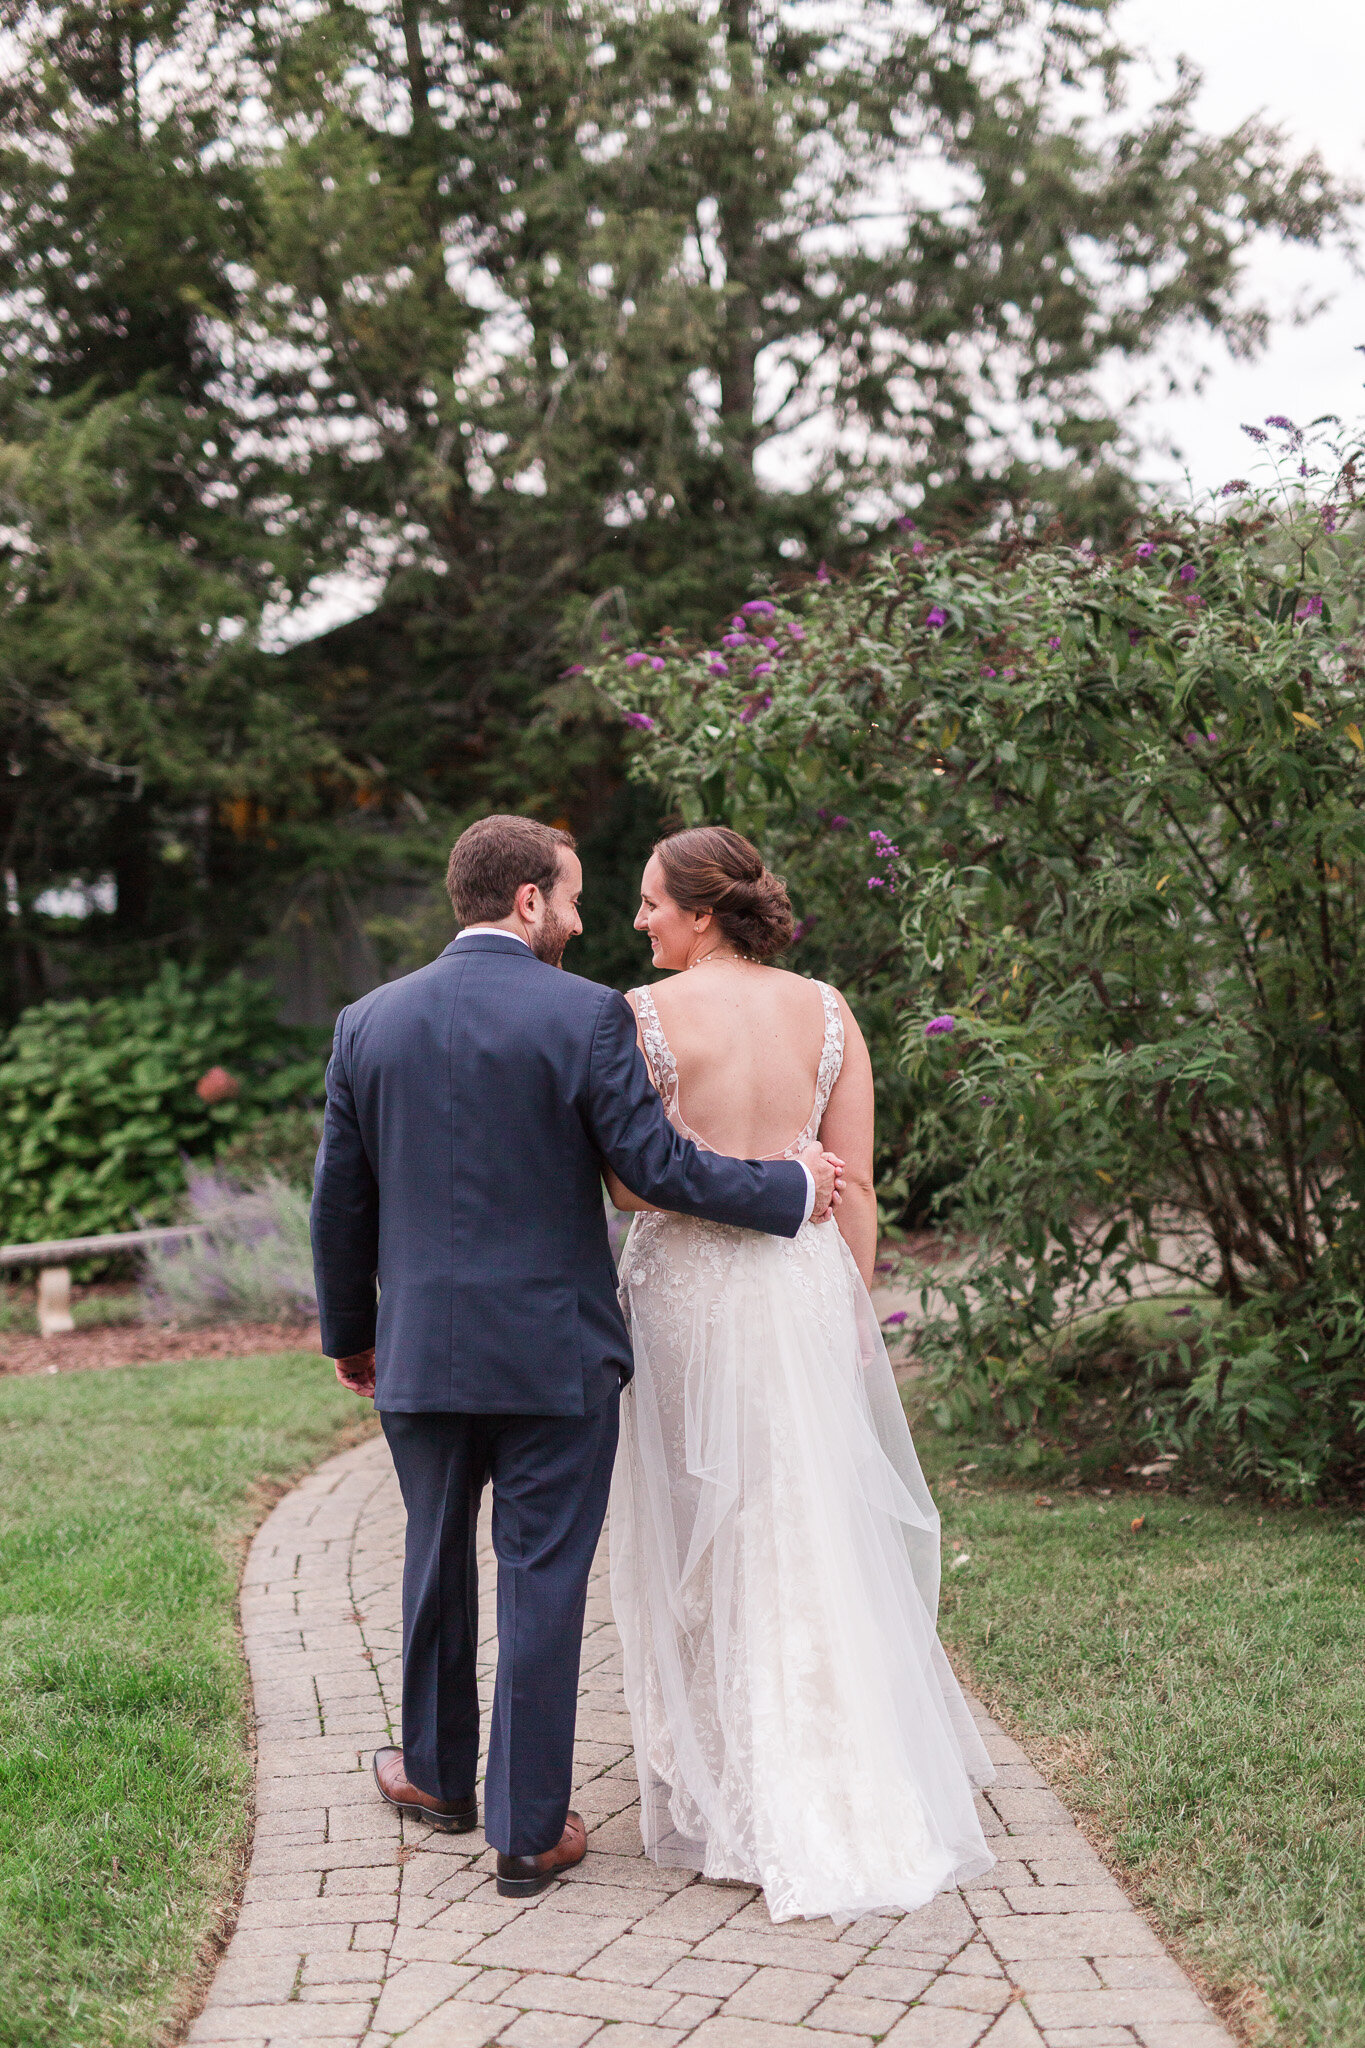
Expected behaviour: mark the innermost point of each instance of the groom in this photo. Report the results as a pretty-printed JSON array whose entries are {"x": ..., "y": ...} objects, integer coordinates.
[{"x": 465, "y": 1280}]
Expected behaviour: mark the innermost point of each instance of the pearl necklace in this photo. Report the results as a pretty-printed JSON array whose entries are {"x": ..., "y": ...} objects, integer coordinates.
[{"x": 740, "y": 959}]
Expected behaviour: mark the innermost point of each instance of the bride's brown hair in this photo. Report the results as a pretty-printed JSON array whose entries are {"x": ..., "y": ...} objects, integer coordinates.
[{"x": 709, "y": 867}]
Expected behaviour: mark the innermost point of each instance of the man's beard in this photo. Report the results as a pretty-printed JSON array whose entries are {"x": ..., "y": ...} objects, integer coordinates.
[{"x": 549, "y": 942}]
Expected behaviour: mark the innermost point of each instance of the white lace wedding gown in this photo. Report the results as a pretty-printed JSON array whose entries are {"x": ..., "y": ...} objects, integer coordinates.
[{"x": 774, "y": 1569}]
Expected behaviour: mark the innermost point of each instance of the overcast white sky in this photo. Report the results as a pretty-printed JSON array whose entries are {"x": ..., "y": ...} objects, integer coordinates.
[{"x": 1303, "y": 65}]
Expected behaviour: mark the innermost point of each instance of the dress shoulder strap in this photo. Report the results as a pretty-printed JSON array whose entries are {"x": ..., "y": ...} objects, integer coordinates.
[
  {"x": 658, "y": 1052},
  {"x": 831, "y": 1053}
]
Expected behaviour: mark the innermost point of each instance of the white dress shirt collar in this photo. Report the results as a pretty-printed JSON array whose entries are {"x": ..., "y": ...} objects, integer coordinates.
[{"x": 500, "y": 930}]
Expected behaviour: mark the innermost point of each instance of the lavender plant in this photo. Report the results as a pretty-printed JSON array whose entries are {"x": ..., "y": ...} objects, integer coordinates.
[{"x": 253, "y": 1260}]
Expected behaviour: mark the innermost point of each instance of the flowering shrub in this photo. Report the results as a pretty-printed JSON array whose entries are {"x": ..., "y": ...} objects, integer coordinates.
[{"x": 1085, "y": 836}]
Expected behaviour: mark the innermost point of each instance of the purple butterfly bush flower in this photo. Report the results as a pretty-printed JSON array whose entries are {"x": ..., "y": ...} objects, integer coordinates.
[
  {"x": 919, "y": 548},
  {"x": 876, "y": 882},
  {"x": 1054, "y": 641},
  {"x": 838, "y": 823},
  {"x": 1134, "y": 635},
  {"x": 735, "y": 640},
  {"x": 634, "y": 660},
  {"x": 737, "y": 624},
  {"x": 797, "y": 632},
  {"x": 988, "y": 671},
  {"x": 758, "y": 608},
  {"x": 576, "y": 670},
  {"x": 1309, "y": 608},
  {"x": 892, "y": 1322},
  {"x": 1145, "y": 550},
  {"x": 1234, "y": 486},
  {"x": 641, "y": 720},
  {"x": 762, "y": 668},
  {"x": 1277, "y": 419},
  {"x": 656, "y": 661},
  {"x": 883, "y": 846},
  {"x": 936, "y": 616},
  {"x": 939, "y": 1027},
  {"x": 1254, "y": 434},
  {"x": 905, "y": 524},
  {"x": 719, "y": 667},
  {"x": 822, "y": 574},
  {"x": 800, "y": 928},
  {"x": 1329, "y": 518},
  {"x": 771, "y": 644},
  {"x": 1188, "y": 572},
  {"x": 985, "y": 1100}
]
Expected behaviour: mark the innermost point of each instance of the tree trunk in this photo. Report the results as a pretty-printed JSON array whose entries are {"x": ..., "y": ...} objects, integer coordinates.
[{"x": 736, "y": 230}]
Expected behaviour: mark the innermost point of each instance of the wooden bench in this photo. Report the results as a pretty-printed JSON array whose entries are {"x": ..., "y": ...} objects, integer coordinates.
[{"x": 54, "y": 1270}]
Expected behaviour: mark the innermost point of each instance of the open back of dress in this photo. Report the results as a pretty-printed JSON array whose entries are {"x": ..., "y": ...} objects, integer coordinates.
[{"x": 775, "y": 1563}]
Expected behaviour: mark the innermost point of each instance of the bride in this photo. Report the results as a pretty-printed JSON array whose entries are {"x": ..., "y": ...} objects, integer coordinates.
[{"x": 774, "y": 1547}]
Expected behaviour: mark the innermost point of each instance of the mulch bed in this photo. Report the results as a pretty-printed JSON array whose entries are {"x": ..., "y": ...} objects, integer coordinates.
[{"x": 96, "y": 1350}]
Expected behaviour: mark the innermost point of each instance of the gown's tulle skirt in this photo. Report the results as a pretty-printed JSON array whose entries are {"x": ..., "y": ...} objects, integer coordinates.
[{"x": 774, "y": 1571}]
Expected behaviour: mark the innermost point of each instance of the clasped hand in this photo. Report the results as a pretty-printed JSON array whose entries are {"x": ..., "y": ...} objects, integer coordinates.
[{"x": 827, "y": 1171}]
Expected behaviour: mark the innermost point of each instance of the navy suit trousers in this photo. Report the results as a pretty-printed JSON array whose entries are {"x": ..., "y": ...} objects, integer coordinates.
[{"x": 551, "y": 1475}]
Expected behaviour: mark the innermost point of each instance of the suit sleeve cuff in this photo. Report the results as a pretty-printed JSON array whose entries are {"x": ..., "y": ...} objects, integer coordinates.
[{"x": 810, "y": 1190}]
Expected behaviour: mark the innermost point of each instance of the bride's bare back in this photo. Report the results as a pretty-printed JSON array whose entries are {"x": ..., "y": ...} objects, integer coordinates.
[
  {"x": 746, "y": 1040},
  {"x": 747, "y": 1049}
]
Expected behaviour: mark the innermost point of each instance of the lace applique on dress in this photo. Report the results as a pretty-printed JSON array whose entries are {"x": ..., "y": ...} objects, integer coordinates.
[
  {"x": 827, "y": 1073},
  {"x": 662, "y": 1065}
]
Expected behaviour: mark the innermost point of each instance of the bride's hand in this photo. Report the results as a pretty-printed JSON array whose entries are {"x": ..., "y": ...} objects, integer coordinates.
[{"x": 827, "y": 1171}]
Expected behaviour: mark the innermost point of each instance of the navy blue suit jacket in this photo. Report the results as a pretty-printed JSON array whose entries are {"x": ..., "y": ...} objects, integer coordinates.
[{"x": 458, "y": 1222}]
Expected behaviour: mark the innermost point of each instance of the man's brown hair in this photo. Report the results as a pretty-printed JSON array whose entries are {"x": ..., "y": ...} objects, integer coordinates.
[{"x": 491, "y": 860}]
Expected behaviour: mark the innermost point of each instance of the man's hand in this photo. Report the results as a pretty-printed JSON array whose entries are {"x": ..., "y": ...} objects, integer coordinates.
[
  {"x": 827, "y": 1171},
  {"x": 357, "y": 1373}
]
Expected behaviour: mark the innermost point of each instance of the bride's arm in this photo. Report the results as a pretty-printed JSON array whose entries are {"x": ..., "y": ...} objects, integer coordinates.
[
  {"x": 621, "y": 1196},
  {"x": 847, "y": 1129}
]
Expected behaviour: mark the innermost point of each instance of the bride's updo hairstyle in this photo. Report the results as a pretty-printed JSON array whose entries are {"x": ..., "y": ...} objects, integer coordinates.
[{"x": 712, "y": 868}]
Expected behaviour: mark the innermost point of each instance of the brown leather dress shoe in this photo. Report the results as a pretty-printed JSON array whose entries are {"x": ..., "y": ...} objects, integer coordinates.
[
  {"x": 451, "y": 1816},
  {"x": 520, "y": 1876}
]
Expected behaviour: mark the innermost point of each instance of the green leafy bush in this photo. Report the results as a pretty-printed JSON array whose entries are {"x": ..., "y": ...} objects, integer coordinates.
[
  {"x": 1094, "y": 827},
  {"x": 283, "y": 1145},
  {"x": 98, "y": 1102}
]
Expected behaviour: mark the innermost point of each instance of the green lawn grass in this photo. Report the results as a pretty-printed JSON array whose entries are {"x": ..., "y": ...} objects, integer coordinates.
[
  {"x": 1196, "y": 1690},
  {"x": 125, "y": 1775}
]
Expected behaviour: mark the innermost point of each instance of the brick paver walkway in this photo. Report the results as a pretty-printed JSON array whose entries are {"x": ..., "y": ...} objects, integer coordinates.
[{"x": 359, "y": 1929}]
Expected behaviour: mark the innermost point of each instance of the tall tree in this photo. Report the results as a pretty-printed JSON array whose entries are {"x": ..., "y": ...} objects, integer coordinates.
[
  {"x": 631, "y": 297},
  {"x": 563, "y": 320},
  {"x": 136, "y": 545},
  {"x": 592, "y": 315}
]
